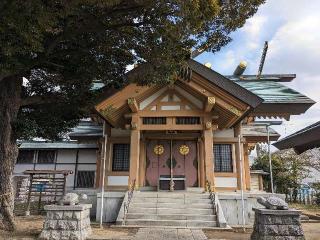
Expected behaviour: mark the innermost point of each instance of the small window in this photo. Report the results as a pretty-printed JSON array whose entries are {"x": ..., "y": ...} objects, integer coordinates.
[
  {"x": 121, "y": 157},
  {"x": 85, "y": 179},
  {"x": 154, "y": 120},
  {"x": 25, "y": 156},
  {"x": 222, "y": 158},
  {"x": 187, "y": 120},
  {"x": 46, "y": 156}
]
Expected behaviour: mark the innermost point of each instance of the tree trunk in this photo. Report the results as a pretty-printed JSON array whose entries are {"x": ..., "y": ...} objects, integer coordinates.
[{"x": 10, "y": 93}]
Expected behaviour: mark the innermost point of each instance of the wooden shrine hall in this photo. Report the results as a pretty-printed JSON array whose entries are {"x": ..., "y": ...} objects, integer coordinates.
[{"x": 190, "y": 132}]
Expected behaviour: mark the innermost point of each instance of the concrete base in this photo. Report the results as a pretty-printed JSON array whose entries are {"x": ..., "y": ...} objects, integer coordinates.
[
  {"x": 111, "y": 206},
  {"x": 66, "y": 222},
  {"x": 277, "y": 224},
  {"x": 232, "y": 206}
]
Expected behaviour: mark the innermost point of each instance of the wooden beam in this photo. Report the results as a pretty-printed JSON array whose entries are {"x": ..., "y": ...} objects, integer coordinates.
[
  {"x": 173, "y": 127},
  {"x": 211, "y": 101},
  {"x": 133, "y": 105}
]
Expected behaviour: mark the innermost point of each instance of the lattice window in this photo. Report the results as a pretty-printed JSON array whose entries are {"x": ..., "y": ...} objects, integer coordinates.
[
  {"x": 222, "y": 158},
  {"x": 154, "y": 120},
  {"x": 188, "y": 120},
  {"x": 85, "y": 179},
  {"x": 46, "y": 156},
  {"x": 25, "y": 156},
  {"x": 121, "y": 157}
]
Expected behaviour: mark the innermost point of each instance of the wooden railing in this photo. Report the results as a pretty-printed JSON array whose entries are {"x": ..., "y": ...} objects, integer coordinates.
[{"x": 127, "y": 203}]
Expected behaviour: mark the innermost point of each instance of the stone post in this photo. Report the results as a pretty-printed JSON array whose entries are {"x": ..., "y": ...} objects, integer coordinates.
[
  {"x": 66, "y": 222},
  {"x": 277, "y": 224}
]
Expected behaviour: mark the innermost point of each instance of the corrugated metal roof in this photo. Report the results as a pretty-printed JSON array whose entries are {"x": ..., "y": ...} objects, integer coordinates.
[
  {"x": 302, "y": 140},
  {"x": 56, "y": 145},
  {"x": 274, "y": 92},
  {"x": 87, "y": 129}
]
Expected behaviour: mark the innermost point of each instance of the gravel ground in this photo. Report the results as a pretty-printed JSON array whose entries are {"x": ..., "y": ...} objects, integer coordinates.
[{"x": 29, "y": 228}]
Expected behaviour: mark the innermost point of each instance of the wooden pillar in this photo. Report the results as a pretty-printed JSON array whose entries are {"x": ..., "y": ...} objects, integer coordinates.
[
  {"x": 142, "y": 164},
  {"x": 208, "y": 151},
  {"x": 238, "y": 151},
  {"x": 202, "y": 176},
  {"x": 246, "y": 166},
  {"x": 260, "y": 182},
  {"x": 134, "y": 151}
]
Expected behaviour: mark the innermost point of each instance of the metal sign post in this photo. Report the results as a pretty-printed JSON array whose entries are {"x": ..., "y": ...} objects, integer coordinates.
[{"x": 241, "y": 183}]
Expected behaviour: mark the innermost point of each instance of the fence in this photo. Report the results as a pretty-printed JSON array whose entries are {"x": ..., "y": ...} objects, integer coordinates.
[{"x": 302, "y": 196}]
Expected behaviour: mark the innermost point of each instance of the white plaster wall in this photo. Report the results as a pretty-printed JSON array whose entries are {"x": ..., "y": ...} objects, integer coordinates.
[
  {"x": 118, "y": 180},
  {"x": 66, "y": 155},
  {"x": 87, "y": 167},
  {"x": 226, "y": 182},
  {"x": 190, "y": 97},
  {"x": 70, "y": 177},
  {"x": 41, "y": 166},
  {"x": 87, "y": 156},
  {"x": 172, "y": 108},
  {"x": 20, "y": 168},
  {"x": 150, "y": 99},
  {"x": 224, "y": 133}
]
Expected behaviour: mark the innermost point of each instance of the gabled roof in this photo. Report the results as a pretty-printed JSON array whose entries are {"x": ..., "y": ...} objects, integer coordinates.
[
  {"x": 224, "y": 83},
  {"x": 260, "y": 97},
  {"x": 302, "y": 140}
]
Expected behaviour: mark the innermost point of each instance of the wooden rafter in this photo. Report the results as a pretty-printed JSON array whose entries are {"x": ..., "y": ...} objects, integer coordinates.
[
  {"x": 133, "y": 105},
  {"x": 210, "y": 102}
]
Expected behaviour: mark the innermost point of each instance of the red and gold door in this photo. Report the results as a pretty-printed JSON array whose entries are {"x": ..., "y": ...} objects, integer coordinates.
[{"x": 177, "y": 155}]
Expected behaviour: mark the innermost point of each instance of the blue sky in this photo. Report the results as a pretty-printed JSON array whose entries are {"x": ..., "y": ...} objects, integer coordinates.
[{"x": 292, "y": 29}]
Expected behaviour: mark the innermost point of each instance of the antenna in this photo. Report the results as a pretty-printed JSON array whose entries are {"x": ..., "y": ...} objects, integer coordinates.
[{"x": 263, "y": 58}]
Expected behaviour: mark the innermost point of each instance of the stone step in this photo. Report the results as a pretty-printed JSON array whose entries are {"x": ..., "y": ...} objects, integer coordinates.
[
  {"x": 171, "y": 200},
  {"x": 170, "y": 195},
  {"x": 171, "y": 216},
  {"x": 198, "y": 211},
  {"x": 177, "y": 223},
  {"x": 170, "y": 205}
]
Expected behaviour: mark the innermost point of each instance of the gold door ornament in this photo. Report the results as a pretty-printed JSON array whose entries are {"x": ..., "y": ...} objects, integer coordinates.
[
  {"x": 158, "y": 149},
  {"x": 184, "y": 149}
]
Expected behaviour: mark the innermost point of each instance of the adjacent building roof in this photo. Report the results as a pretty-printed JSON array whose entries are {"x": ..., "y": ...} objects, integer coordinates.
[
  {"x": 259, "y": 133},
  {"x": 300, "y": 141},
  {"x": 260, "y": 172},
  {"x": 56, "y": 145},
  {"x": 86, "y": 129}
]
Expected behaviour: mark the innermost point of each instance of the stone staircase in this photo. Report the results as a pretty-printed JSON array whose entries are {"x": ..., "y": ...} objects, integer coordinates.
[{"x": 176, "y": 209}]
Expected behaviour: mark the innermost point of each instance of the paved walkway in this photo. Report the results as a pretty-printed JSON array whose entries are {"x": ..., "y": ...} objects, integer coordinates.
[{"x": 169, "y": 234}]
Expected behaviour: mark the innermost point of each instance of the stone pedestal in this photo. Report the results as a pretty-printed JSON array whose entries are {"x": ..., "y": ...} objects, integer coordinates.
[
  {"x": 66, "y": 222},
  {"x": 277, "y": 224}
]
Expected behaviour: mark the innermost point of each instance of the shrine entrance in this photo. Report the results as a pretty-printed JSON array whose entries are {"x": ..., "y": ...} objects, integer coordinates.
[{"x": 172, "y": 164}]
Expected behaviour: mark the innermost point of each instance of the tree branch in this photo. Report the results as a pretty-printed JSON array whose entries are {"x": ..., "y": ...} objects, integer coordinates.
[{"x": 37, "y": 100}]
